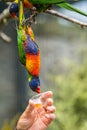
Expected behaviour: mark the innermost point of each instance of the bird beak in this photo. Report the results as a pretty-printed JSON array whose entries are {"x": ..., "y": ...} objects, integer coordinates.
[
  {"x": 13, "y": 15},
  {"x": 38, "y": 89}
]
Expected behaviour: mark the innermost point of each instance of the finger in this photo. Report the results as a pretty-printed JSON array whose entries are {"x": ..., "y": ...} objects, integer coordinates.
[
  {"x": 50, "y": 109},
  {"x": 49, "y": 118},
  {"x": 46, "y": 95},
  {"x": 49, "y": 102},
  {"x": 30, "y": 107}
]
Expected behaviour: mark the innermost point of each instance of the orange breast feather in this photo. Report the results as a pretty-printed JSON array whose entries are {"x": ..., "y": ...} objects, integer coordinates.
[
  {"x": 33, "y": 64},
  {"x": 27, "y": 4}
]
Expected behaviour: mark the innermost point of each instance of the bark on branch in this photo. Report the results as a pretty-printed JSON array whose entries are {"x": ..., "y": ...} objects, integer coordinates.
[{"x": 58, "y": 14}]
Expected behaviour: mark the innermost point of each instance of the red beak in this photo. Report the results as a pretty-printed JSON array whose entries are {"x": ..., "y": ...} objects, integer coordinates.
[
  {"x": 38, "y": 89},
  {"x": 13, "y": 15}
]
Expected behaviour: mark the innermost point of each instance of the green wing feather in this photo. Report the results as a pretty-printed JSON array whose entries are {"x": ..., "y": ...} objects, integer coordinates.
[
  {"x": 60, "y": 3},
  {"x": 46, "y": 2},
  {"x": 21, "y": 51},
  {"x": 21, "y": 35}
]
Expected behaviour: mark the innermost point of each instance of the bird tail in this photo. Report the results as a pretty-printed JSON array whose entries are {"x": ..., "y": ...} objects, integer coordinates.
[
  {"x": 21, "y": 13},
  {"x": 71, "y": 8}
]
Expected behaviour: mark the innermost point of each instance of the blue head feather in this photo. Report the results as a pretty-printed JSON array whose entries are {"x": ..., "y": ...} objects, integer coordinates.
[
  {"x": 13, "y": 9},
  {"x": 34, "y": 84}
]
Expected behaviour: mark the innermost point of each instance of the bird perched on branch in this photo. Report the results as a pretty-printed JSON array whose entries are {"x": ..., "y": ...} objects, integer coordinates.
[
  {"x": 14, "y": 7},
  {"x": 42, "y": 5},
  {"x": 29, "y": 53}
]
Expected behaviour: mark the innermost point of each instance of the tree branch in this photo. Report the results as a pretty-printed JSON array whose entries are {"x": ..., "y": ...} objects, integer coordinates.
[
  {"x": 5, "y": 37},
  {"x": 5, "y": 14},
  {"x": 58, "y": 14}
]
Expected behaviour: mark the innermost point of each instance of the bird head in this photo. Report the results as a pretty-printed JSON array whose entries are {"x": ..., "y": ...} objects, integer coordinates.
[
  {"x": 34, "y": 84},
  {"x": 13, "y": 9}
]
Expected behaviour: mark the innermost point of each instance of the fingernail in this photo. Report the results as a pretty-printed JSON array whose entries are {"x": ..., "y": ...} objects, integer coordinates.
[{"x": 47, "y": 116}]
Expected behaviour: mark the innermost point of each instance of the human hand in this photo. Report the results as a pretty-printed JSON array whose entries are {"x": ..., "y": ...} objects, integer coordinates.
[{"x": 38, "y": 118}]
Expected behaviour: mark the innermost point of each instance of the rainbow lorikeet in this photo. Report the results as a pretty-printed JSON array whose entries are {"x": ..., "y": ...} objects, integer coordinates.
[
  {"x": 29, "y": 53},
  {"x": 14, "y": 7},
  {"x": 42, "y": 5}
]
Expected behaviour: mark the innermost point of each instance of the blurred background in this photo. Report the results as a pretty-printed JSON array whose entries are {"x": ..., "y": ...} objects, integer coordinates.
[{"x": 63, "y": 49}]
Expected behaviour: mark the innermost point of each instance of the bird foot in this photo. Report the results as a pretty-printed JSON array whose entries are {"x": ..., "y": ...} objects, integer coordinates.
[{"x": 31, "y": 18}]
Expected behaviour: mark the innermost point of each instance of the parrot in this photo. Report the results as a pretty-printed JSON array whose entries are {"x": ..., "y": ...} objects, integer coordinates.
[
  {"x": 29, "y": 52},
  {"x": 14, "y": 7},
  {"x": 42, "y": 5}
]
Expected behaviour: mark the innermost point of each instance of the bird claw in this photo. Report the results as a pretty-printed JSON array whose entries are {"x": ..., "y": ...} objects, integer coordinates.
[{"x": 31, "y": 19}]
